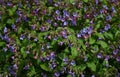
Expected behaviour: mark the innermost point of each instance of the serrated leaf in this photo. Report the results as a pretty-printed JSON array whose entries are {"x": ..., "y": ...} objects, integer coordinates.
[
  {"x": 45, "y": 67},
  {"x": 92, "y": 66},
  {"x": 103, "y": 44}
]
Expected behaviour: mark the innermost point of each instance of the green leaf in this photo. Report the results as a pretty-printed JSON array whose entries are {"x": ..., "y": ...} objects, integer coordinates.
[
  {"x": 108, "y": 35},
  {"x": 12, "y": 11},
  {"x": 86, "y": 0},
  {"x": 82, "y": 67},
  {"x": 71, "y": 1},
  {"x": 32, "y": 72},
  {"x": 2, "y": 44},
  {"x": 74, "y": 52},
  {"x": 117, "y": 33},
  {"x": 97, "y": 26},
  {"x": 92, "y": 66},
  {"x": 45, "y": 67},
  {"x": 99, "y": 35},
  {"x": 91, "y": 40},
  {"x": 20, "y": 30},
  {"x": 24, "y": 54},
  {"x": 103, "y": 44},
  {"x": 72, "y": 38},
  {"x": 66, "y": 50},
  {"x": 69, "y": 76},
  {"x": 82, "y": 44},
  {"x": 10, "y": 21}
]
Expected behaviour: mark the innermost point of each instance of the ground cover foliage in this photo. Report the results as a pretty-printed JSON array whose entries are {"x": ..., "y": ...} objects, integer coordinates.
[{"x": 60, "y": 38}]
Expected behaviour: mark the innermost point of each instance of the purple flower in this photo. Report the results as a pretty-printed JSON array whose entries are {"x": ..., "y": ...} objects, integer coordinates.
[
  {"x": 85, "y": 58},
  {"x": 101, "y": 11},
  {"x": 43, "y": 75},
  {"x": 52, "y": 55},
  {"x": 108, "y": 18},
  {"x": 107, "y": 27},
  {"x": 65, "y": 36},
  {"x": 35, "y": 39},
  {"x": 72, "y": 62},
  {"x": 84, "y": 30},
  {"x": 74, "y": 23},
  {"x": 19, "y": 5},
  {"x": 9, "y": 4},
  {"x": 52, "y": 65},
  {"x": 22, "y": 37},
  {"x": 13, "y": 26},
  {"x": 72, "y": 73},
  {"x": 12, "y": 48},
  {"x": 70, "y": 45},
  {"x": 56, "y": 74},
  {"x": 12, "y": 72},
  {"x": 26, "y": 67},
  {"x": 79, "y": 35},
  {"x": 19, "y": 13},
  {"x": 5, "y": 49},
  {"x": 75, "y": 14},
  {"x": 65, "y": 60},
  {"x": 15, "y": 66},
  {"x": 60, "y": 43},
  {"x": 6, "y": 38},
  {"x": 105, "y": 7},
  {"x": 35, "y": 11},
  {"x": 55, "y": 38},
  {"x": 25, "y": 18},
  {"x": 96, "y": 2},
  {"x": 18, "y": 20},
  {"x": 5, "y": 29},
  {"x": 82, "y": 75},
  {"x": 99, "y": 55},
  {"x": 118, "y": 74},
  {"x": 27, "y": 52},
  {"x": 115, "y": 51},
  {"x": 0, "y": 17},
  {"x": 119, "y": 25},
  {"x": 107, "y": 57},
  {"x": 49, "y": 21},
  {"x": 42, "y": 29},
  {"x": 118, "y": 59},
  {"x": 113, "y": 9},
  {"x": 55, "y": 24},
  {"x": 42, "y": 49},
  {"x": 42, "y": 59},
  {"x": 57, "y": 12},
  {"x": 65, "y": 23},
  {"x": 93, "y": 76}
]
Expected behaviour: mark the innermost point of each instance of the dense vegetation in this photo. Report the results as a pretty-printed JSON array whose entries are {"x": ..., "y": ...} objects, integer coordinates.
[{"x": 60, "y": 38}]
